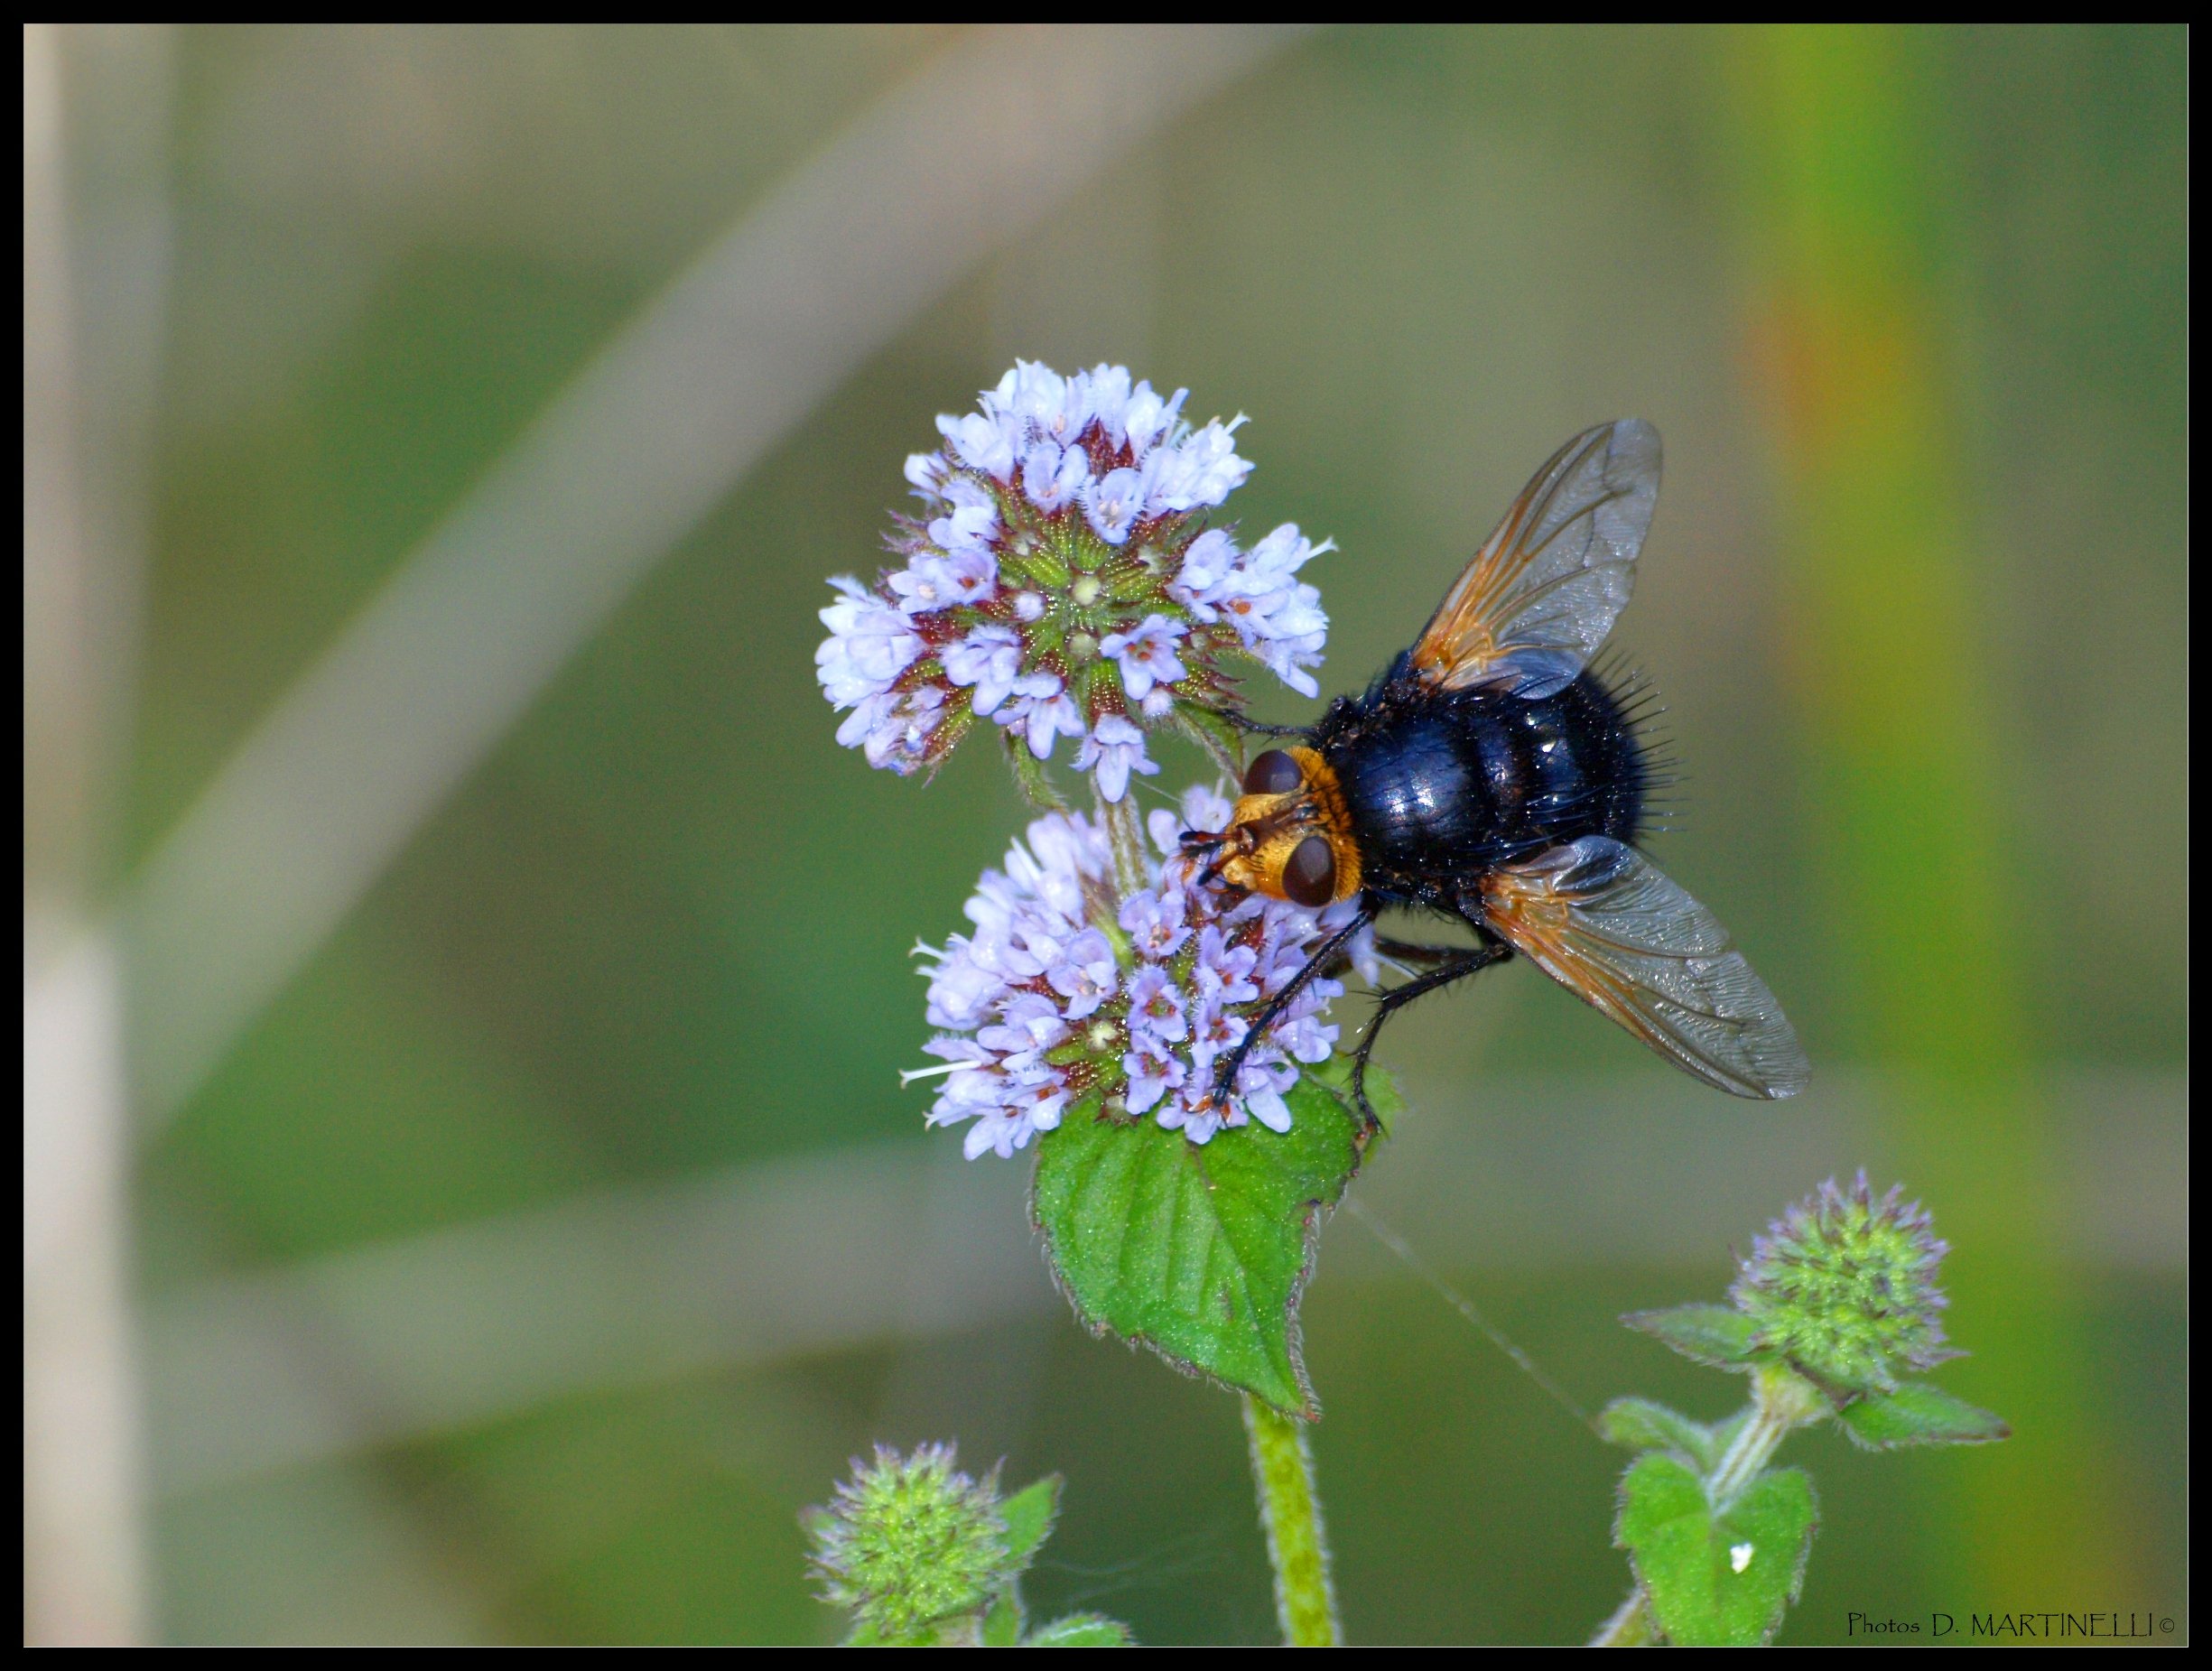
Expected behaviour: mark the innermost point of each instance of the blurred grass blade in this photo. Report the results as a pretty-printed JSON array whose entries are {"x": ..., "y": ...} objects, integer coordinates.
[
  {"x": 659, "y": 427},
  {"x": 1845, "y": 148},
  {"x": 96, "y": 161}
]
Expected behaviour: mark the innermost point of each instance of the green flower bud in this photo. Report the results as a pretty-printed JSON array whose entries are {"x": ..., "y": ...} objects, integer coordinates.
[
  {"x": 909, "y": 1544},
  {"x": 1842, "y": 1288}
]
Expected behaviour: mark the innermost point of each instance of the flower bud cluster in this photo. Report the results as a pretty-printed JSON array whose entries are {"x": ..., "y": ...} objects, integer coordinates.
[
  {"x": 908, "y": 1542},
  {"x": 1843, "y": 1288},
  {"x": 1061, "y": 581}
]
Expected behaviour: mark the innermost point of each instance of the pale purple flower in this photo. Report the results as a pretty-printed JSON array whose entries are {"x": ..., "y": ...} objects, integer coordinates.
[
  {"x": 1084, "y": 974},
  {"x": 1051, "y": 475},
  {"x": 1112, "y": 502},
  {"x": 1207, "y": 563},
  {"x": 900, "y": 740},
  {"x": 981, "y": 442},
  {"x": 1147, "y": 655},
  {"x": 1224, "y": 970},
  {"x": 1153, "y": 920},
  {"x": 1153, "y": 1072},
  {"x": 1043, "y": 710},
  {"x": 1112, "y": 751},
  {"x": 1106, "y": 396},
  {"x": 870, "y": 643},
  {"x": 969, "y": 575},
  {"x": 1203, "y": 469},
  {"x": 989, "y": 659},
  {"x": 964, "y": 991},
  {"x": 1147, "y": 418},
  {"x": 1033, "y": 1025},
  {"x": 926, "y": 471},
  {"x": 1156, "y": 1008}
]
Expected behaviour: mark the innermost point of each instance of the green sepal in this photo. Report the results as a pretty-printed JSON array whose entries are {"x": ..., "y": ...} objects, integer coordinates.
[
  {"x": 1029, "y": 773},
  {"x": 1199, "y": 1251},
  {"x": 1709, "y": 1334},
  {"x": 1918, "y": 1414},
  {"x": 1641, "y": 1424},
  {"x": 1685, "y": 1555},
  {"x": 1081, "y": 1631}
]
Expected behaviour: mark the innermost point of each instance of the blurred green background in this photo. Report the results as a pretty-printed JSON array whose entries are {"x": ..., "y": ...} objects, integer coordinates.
[{"x": 537, "y": 1224}]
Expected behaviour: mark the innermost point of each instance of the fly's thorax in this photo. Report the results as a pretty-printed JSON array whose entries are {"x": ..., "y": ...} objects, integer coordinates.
[{"x": 1290, "y": 836}]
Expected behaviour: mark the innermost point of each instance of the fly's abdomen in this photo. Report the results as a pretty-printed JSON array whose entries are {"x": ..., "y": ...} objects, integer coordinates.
[
  {"x": 1439, "y": 791},
  {"x": 1579, "y": 766}
]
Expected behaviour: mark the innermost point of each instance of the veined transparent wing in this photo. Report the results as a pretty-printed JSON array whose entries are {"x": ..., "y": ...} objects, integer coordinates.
[
  {"x": 1539, "y": 598},
  {"x": 1612, "y": 927}
]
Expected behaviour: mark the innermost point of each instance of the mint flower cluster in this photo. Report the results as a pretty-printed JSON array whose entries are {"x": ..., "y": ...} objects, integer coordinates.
[
  {"x": 1061, "y": 581},
  {"x": 1065, "y": 992}
]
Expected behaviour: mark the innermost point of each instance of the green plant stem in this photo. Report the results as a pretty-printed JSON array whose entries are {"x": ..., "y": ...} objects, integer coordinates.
[
  {"x": 1781, "y": 1401},
  {"x": 1629, "y": 1627},
  {"x": 1126, "y": 837},
  {"x": 1290, "y": 1512}
]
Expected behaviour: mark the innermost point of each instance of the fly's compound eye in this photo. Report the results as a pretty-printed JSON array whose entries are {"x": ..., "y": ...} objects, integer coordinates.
[
  {"x": 1309, "y": 878},
  {"x": 1273, "y": 772}
]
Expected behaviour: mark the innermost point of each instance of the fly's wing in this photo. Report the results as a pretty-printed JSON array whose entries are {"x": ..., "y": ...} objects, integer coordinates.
[
  {"x": 1537, "y": 600},
  {"x": 1611, "y": 927}
]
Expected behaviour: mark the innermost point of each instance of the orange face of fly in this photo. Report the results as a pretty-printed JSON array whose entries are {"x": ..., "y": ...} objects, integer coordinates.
[{"x": 1289, "y": 837}]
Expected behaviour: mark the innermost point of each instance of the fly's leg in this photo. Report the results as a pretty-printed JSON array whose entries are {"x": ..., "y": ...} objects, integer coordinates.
[
  {"x": 1317, "y": 964},
  {"x": 1403, "y": 951},
  {"x": 1254, "y": 726},
  {"x": 1464, "y": 962}
]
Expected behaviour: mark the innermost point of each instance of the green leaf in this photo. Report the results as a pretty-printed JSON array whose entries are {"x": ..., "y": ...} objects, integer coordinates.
[
  {"x": 1081, "y": 1631},
  {"x": 1918, "y": 1414},
  {"x": 1715, "y": 1581},
  {"x": 1641, "y": 1424},
  {"x": 1030, "y": 1515},
  {"x": 1002, "y": 1624},
  {"x": 1710, "y": 1335},
  {"x": 1199, "y": 1251}
]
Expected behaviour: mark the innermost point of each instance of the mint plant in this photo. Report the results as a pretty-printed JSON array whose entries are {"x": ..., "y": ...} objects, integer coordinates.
[
  {"x": 1835, "y": 1302},
  {"x": 1063, "y": 580}
]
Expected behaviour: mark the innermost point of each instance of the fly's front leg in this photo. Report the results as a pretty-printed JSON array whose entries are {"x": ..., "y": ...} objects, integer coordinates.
[
  {"x": 1315, "y": 965},
  {"x": 1254, "y": 727}
]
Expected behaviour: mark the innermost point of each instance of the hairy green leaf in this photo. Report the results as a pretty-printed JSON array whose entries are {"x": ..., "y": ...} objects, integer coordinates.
[
  {"x": 1641, "y": 1424},
  {"x": 1716, "y": 1579},
  {"x": 1200, "y": 1251},
  {"x": 1918, "y": 1414},
  {"x": 1030, "y": 1515},
  {"x": 1710, "y": 1335},
  {"x": 1081, "y": 1631}
]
